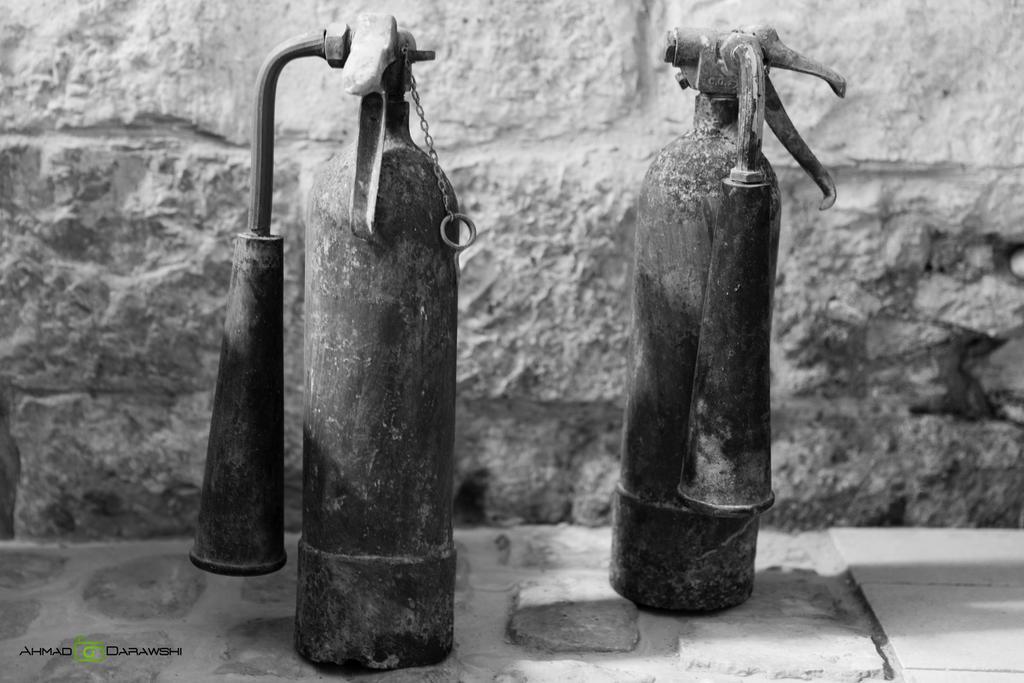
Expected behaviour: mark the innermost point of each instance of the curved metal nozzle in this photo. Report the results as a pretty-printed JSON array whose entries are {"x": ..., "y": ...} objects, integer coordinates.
[
  {"x": 745, "y": 59},
  {"x": 261, "y": 186}
]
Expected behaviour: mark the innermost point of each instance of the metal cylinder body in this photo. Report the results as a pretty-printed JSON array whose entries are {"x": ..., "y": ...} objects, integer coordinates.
[
  {"x": 376, "y": 559},
  {"x": 241, "y": 514},
  {"x": 664, "y": 554},
  {"x": 727, "y": 466}
]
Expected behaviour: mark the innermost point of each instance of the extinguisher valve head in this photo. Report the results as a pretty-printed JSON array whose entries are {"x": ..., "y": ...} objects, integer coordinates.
[
  {"x": 707, "y": 60},
  {"x": 374, "y": 48}
]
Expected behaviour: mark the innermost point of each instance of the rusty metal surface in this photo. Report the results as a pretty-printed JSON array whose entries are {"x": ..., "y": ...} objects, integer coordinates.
[
  {"x": 678, "y": 205},
  {"x": 379, "y": 414},
  {"x": 377, "y": 563},
  {"x": 669, "y": 557},
  {"x": 382, "y": 612},
  {"x": 241, "y": 514},
  {"x": 727, "y": 466}
]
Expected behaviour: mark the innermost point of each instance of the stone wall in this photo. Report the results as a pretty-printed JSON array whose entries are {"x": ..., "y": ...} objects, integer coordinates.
[{"x": 898, "y": 390}]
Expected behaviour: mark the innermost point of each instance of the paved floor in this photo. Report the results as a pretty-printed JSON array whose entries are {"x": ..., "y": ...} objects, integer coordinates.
[
  {"x": 533, "y": 604},
  {"x": 950, "y": 601}
]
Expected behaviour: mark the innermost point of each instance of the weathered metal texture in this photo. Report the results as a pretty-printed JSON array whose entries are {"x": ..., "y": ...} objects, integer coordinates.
[
  {"x": 376, "y": 565},
  {"x": 669, "y": 557},
  {"x": 727, "y": 464},
  {"x": 241, "y": 513},
  {"x": 689, "y": 561},
  {"x": 384, "y": 613}
]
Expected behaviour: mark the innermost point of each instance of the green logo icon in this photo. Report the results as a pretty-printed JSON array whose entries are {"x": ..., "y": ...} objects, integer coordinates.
[{"x": 89, "y": 650}]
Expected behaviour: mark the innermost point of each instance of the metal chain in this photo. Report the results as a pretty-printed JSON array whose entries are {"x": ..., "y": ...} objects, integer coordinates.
[{"x": 428, "y": 139}]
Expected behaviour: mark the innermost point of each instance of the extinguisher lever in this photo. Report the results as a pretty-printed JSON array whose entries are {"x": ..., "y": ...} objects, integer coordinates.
[
  {"x": 369, "y": 157},
  {"x": 780, "y": 123},
  {"x": 779, "y": 55},
  {"x": 375, "y": 46}
]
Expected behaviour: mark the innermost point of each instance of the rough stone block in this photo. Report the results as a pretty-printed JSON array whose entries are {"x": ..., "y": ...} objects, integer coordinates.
[
  {"x": 526, "y": 461},
  {"x": 878, "y": 469},
  {"x": 544, "y": 302},
  {"x": 195, "y": 64},
  {"x": 578, "y": 613}
]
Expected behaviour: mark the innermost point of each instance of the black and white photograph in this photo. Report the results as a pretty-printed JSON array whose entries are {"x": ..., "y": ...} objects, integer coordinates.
[{"x": 565, "y": 341}]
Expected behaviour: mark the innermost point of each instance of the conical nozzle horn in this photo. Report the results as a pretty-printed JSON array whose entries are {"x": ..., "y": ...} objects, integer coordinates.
[
  {"x": 727, "y": 461},
  {"x": 241, "y": 512}
]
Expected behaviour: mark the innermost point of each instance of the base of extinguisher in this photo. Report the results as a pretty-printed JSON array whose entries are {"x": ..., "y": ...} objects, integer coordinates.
[
  {"x": 380, "y": 612},
  {"x": 670, "y": 557}
]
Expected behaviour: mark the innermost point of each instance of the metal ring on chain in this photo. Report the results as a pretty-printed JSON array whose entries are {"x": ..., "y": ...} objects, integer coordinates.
[{"x": 458, "y": 217}]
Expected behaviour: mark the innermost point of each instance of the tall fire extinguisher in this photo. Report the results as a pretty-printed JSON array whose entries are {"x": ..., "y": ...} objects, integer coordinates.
[
  {"x": 696, "y": 468},
  {"x": 376, "y": 561}
]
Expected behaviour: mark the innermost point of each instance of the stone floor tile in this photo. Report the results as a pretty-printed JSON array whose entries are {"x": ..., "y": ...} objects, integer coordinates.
[
  {"x": 800, "y": 648},
  {"x": 952, "y": 627},
  {"x": 983, "y": 557},
  {"x": 16, "y": 616},
  {"x": 238, "y": 630},
  {"x": 794, "y": 626},
  {"x": 263, "y": 647},
  {"x": 566, "y": 671},
  {"x": 958, "y": 676},
  {"x": 23, "y": 569},
  {"x": 144, "y": 588},
  {"x": 577, "y": 613}
]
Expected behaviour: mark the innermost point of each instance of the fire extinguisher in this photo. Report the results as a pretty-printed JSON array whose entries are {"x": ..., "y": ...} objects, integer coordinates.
[
  {"x": 376, "y": 560},
  {"x": 696, "y": 469}
]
